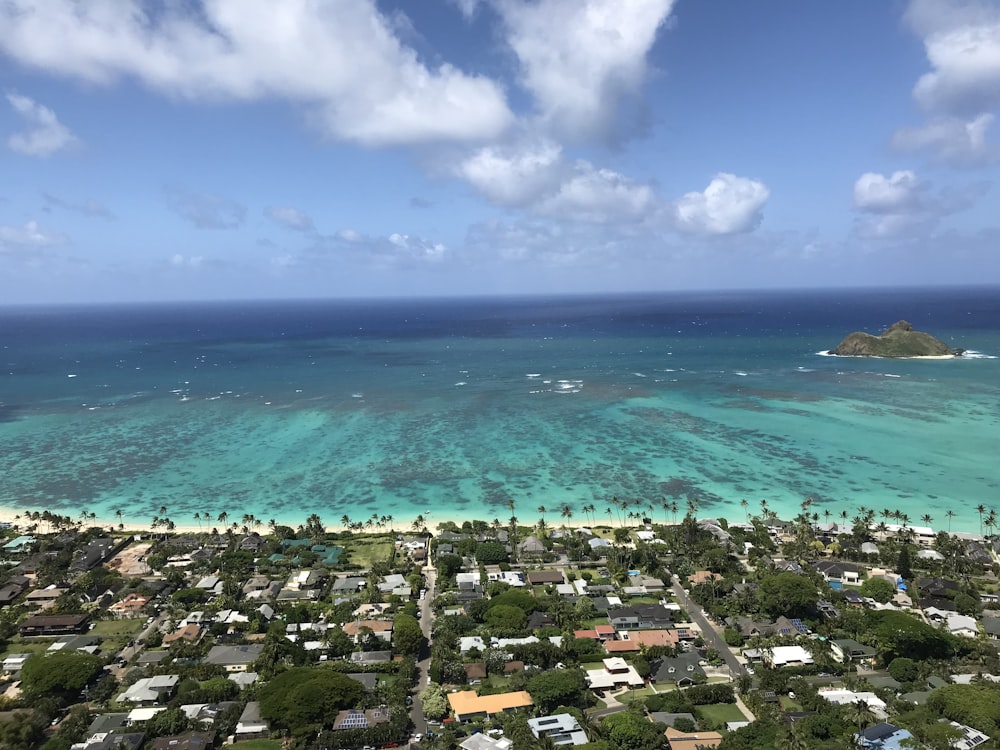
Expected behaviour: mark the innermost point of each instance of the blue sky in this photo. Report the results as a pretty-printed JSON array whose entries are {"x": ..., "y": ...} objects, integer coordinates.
[{"x": 218, "y": 149}]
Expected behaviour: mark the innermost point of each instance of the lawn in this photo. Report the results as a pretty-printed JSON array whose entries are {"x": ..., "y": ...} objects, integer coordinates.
[
  {"x": 16, "y": 646},
  {"x": 635, "y": 695},
  {"x": 258, "y": 745},
  {"x": 719, "y": 714},
  {"x": 364, "y": 552},
  {"x": 787, "y": 704},
  {"x": 105, "y": 628}
]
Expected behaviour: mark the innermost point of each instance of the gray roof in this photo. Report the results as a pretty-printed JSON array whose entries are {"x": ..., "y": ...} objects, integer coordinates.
[{"x": 232, "y": 655}]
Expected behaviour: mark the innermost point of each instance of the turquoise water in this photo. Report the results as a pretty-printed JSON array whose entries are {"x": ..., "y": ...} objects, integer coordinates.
[{"x": 451, "y": 408}]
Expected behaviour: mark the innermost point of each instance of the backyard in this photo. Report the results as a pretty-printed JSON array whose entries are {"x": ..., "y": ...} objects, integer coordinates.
[
  {"x": 364, "y": 552},
  {"x": 719, "y": 714}
]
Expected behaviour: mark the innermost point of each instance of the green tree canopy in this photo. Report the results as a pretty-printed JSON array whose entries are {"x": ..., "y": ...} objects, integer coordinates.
[
  {"x": 903, "y": 669},
  {"x": 788, "y": 594},
  {"x": 407, "y": 637},
  {"x": 558, "y": 687},
  {"x": 630, "y": 731},
  {"x": 878, "y": 589},
  {"x": 506, "y": 619},
  {"x": 60, "y": 673},
  {"x": 900, "y": 634},
  {"x": 304, "y": 699},
  {"x": 491, "y": 553}
]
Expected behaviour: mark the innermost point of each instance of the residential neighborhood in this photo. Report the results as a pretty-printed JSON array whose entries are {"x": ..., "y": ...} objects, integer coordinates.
[{"x": 695, "y": 634}]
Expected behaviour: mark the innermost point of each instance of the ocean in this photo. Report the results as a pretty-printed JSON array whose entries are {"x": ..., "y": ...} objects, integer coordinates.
[{"x": 453, "y": 408}]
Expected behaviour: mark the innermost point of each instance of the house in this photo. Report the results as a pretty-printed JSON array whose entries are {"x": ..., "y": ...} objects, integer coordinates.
[
  {"x": 615, "y": 673},
  {"x": 44, "y": 598},
  {"x": 190, "y": 633},
  {"x": 703, "y": 576},
  {"x": 354, "y": 719},
  {"x": 50, "y": 625},
  {"x": 250, "y": 724},
  {"x": 599, "y": 543},
  {"x": 20, "y": 545},
  {"x": 131, "y": 606},
  {"x": 641, "y": 616},
  {"x": 13, "y": 662},
  {"x": 467, "y": 705},
  {"x": 847, "y": 697},
  {"x": 111, "y": 741},
  {"x": 882, "y": 736},
  {"x": 787, "y": 656},
  {"x": 13, "y": 589},
  {"x": 561, "y": 729},
  {"x": 531, "y": 547},
  {"x": 940, "y": 588},
  {"x": 837, "y": 570},
  {"x": 348, "y": 584},
  {"x": 475, "y": 673},
  {"x": 681, "y": 670},
  {"x": 369, "y": 680},
  {"x": 95, "y": 553},
  {"x": 679, "y": 740},
  {"x": 969, "y": 738},
  {"x": 371, "y": 657},
  {"x": 544, "y": 577},
  {"x": 480, "y": 741},
  {"x": 186, "y": 741},
  {"x": 869, "y": 548},
  {"x": 234, "y": 658},
  {"x": 848, "y": 649},
  {"x": 991, "y": 626},
  {"x": 962, "y": 625},
  {"x": 381, "y": 628},
  {"x": 150, "y": 689}
]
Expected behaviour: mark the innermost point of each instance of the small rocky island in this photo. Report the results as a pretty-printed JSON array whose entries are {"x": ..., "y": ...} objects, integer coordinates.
[{"x": 898, "y": 340}]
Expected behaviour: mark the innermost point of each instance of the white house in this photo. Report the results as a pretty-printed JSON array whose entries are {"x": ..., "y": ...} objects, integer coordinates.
[
  {"x": 616, "y": 673},
  {"x": 783, "y": 656},
  {"x": 962, "y": 625}
]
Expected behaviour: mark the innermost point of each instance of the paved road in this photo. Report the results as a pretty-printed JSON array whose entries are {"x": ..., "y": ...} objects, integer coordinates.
[
  {"x": 423, "y": 666},
  {"x": 708, "y": 631}
]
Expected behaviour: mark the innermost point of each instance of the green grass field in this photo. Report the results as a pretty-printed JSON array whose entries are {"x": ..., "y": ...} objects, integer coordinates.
[
  {"x": 364, "y": 552},
  {"x": 17, "y": 646},
  {"x": 105, "y": 628},
  {"x": 257, "y": 745},
  {"x": 720, "y": 713},
  {"x": 635, "y": 695}
]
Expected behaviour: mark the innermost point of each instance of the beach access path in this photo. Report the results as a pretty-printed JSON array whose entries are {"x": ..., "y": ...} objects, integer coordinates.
[{"x": 708, "y": 631}]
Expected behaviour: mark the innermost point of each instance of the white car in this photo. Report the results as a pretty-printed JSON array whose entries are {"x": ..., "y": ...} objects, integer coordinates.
[
  {"x": 417, "y": 737},
  {"x": 749, "y": 669}
]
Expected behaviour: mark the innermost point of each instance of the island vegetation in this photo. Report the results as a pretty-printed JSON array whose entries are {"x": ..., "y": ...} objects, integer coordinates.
[{"x": 897, "y": 341}]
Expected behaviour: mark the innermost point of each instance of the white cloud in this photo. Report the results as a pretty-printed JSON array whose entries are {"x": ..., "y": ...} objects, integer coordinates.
[
  {"x": 962, "y": 42},
  {"x": 876, "y": 193},
  {"x": 206, "y": 210},
  {"x": 729, "y": 205},
  {"x": 341, "y": 59},
  {"x": 186, "y": 261},
  {"x": 44, "y": 136},
  {"x": 901, "y": 204},
  {"x": 29, "y": 234},
  {"x": 393, "y": 250},
  {"x": 538, "y": 178},
  {"x": 600, "y": 195},
  {"x": 467, "y": 8},
  {"x": 290, "y": 218},
  {"x": 950, "y": 139},
  {"x": 581, "y": 58}
]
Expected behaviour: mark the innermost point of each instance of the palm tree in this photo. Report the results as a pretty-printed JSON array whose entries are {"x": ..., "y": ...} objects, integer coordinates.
[
  {"x": 419, "y": 523},
  {"x": 860, "y": 713},
  {"x": 541, "y": 510},
  {"x": 981, "y": 509},
  {"x": 118, "y": 514},
  {"x": 745, "y": 504},
  {"x": 950, "y": 514},
  {"x": 345, "y": 521},
  {"x": 389, "y": 519},
  {"x": 197, "y": 517},
  {"x": 926, "y": 519},
  {"x": 991, "y": 520},
  {"x": 223, "y": 517},
  {"x": 567, "y": 513}
]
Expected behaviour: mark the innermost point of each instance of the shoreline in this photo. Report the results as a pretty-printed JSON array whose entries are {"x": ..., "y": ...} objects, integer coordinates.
[{"x": 399, "y": 526}]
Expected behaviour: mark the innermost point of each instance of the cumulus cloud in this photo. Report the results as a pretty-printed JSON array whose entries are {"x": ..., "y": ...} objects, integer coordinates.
[
  {"x": 29, "y": 234},
  {"x": 290, "y": 218},
  {"x": 341, "y": 59},
  {"x": 537, "y": 177},
  {"x": 44, "y": 134},
  {"x": 89, "y": 207},
  {"x": 876, "y": 193},
  {"x": 729, "y": 205},
  {"x": 962, "y": 42},
  {"x": 951, "y": 139},
  {"x": 900, "y": 204},
  {"x": 186, "y": 261},
  {"x": 393, "y": 250},
  {"x": 580, "y": 59},
  {"x": 206, "y": 210}
]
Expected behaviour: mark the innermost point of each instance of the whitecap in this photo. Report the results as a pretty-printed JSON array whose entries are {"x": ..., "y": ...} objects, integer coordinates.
[
  {"x": 741, "y": 374},
  {"x": 533, "y": 375},
  {"x": 639, "y": 375},
  {"x": 973, "y": 354},
  {"x": 461, "y": 382},
  {"x": 71, "y": 375},
  {"x": 357, "y": 395},
  {"x": 890, "y": 375}
]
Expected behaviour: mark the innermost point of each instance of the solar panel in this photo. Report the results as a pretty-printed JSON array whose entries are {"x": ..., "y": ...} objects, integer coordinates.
[{"x": 800, "y": 626}]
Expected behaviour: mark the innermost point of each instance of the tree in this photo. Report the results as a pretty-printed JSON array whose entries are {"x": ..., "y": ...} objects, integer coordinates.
[
  {"x": 506, "y": 619},
  {"x": 490, "y": 553},
  {"x": 304, "y": 699},
  {"x": 62, "y": 673},
  {"x": 903, "y": 669},
  {"x": 860, "y": 713},
  {"x": 878, "y": 589},
  {"x": 630, "y": 731},
  {"x": 904, "y": 564},
  {"x": 407, "y": 637},
  {"x": 434, "y": 702},
  {"x": 557, "y": 687},
  {"x": 788, "y": 594},
  {"x": 449, "y": 565},
  {"x": 900, "y": 634}
]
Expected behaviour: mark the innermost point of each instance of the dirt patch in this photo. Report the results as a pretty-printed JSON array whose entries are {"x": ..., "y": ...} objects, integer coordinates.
[{"x": 131, "y": 561}]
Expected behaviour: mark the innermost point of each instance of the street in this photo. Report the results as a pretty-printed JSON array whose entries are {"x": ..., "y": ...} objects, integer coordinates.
[
  {"x": 708, "y": 632},
  {"x": 423, "y": 676}
]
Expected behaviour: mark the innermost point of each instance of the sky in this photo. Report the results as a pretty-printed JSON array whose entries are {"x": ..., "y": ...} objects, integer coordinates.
[{"x": 243, "y": 149}]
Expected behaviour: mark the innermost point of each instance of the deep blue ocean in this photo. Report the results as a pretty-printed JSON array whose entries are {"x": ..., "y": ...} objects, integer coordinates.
[{"x": 450, "y": 408}]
